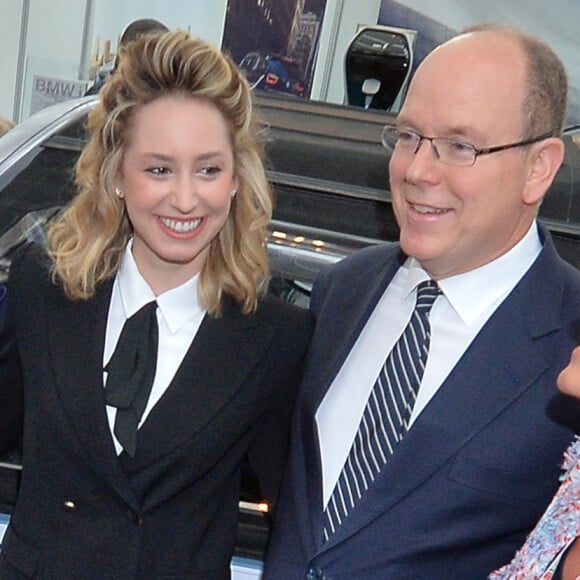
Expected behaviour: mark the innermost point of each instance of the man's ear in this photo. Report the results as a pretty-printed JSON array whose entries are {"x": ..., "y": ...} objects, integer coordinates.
[{"x": 546, "y": 157}]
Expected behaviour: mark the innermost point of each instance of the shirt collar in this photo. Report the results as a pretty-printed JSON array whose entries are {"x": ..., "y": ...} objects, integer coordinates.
[
  {"x": 178, "y": 306},
  {"x": 472, "y": 293}
]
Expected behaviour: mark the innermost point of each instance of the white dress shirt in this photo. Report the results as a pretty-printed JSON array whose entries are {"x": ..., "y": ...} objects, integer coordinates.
[
  {"x": 179, "y": 315},
  {"x": 467, "y": 303}
]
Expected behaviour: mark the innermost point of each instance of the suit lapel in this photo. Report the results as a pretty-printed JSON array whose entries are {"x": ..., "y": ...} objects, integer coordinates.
[
  {"x": 503, "y": 361},
  {"x": 326, "y": 356},
  {"x": 76, "y": 342},
  {"x": 455, "y": 415},
  {"x": 346, "y": 321}
]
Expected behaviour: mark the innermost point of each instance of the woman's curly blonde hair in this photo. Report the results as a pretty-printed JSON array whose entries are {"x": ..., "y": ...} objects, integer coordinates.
[{"x": 86, "y": 242}]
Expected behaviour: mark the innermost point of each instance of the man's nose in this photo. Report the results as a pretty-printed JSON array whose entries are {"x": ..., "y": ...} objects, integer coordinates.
[
  {"x": 423, "y": 165},
  {"x": 431, "y": 147}
]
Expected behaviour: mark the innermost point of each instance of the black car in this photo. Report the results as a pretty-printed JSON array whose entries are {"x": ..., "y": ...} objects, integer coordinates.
[{"x": 330, "y": 177}]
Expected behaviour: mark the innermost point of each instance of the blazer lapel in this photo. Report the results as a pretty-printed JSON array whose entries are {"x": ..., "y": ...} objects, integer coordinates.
[
  {"x": 76, "y": 342},
  {"x": 221, "y": 356}
]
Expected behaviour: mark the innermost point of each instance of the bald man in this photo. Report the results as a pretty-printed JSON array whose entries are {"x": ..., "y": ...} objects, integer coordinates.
[{"x": 443, "y": 476}]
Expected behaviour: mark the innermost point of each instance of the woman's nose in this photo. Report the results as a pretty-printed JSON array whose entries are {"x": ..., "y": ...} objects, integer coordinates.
[{"x": 184, "y": 195}]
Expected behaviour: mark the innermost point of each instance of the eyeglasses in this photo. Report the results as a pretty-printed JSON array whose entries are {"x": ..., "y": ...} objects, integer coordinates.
[{"x": 448, "y": 151}]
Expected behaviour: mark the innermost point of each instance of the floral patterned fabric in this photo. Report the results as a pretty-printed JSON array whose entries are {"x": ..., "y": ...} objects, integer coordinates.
[{"x": 539, "y": 557}]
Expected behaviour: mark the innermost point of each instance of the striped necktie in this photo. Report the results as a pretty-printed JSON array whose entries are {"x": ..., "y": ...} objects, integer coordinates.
[{"x": 386, "y": 416}]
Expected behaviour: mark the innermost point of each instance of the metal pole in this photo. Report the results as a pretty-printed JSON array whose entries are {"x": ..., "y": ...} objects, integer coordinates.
[{"x": 21, "y": 62}]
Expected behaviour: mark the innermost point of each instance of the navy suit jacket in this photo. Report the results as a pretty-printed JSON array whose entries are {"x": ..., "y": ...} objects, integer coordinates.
[
  {"x": 479, "y": 465},
  {"x": 172, "y": 510}
]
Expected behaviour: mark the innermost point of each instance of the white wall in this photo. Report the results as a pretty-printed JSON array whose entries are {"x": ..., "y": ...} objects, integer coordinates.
[
  {"x": 56, "y": 29},
  {"x": 202, "y": 18},
  {"x": 39, "y": 37},
  {"x": 11, "y": 11}
]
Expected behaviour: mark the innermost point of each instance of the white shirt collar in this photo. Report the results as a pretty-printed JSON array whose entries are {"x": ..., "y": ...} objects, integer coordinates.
[
  {"x": 178, "y": 306},
  {"x": 472, "y": 293}
]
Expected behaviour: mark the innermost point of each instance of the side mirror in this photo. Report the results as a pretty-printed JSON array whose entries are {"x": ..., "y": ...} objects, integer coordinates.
[{"x": 378, "y": 65}]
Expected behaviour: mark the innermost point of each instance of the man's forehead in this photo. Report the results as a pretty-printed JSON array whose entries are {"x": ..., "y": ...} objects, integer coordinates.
[{"x": 470, "y": 81}]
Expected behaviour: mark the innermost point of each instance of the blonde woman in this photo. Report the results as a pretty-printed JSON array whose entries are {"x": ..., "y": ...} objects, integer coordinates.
[{"x": 170, "y": 219}]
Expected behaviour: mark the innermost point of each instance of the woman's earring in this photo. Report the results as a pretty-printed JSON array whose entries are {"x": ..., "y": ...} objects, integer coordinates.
[
  {"x": 233, "y": 192},
  {"x": 119, "y": 193}
]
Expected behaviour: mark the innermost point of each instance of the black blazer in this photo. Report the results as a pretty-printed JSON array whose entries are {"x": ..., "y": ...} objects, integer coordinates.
[
  {"x": 170, "y": 512},
  {"x": 479, "y": 465}
]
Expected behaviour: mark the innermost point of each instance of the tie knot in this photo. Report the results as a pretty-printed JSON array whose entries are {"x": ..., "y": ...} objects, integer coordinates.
[
  {"x": 427, "y": 293},
  {"x": 145, "y": 311}
]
